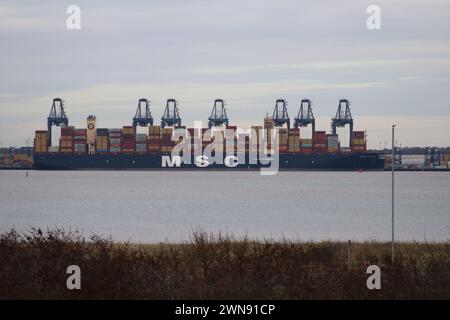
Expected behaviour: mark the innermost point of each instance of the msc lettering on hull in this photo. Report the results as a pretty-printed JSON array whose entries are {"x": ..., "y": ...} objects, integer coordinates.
[{"x": 201, "y": 161}]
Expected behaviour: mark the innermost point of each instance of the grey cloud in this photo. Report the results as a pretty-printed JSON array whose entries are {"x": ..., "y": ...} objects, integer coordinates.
[{"x": 275, "y": 45}]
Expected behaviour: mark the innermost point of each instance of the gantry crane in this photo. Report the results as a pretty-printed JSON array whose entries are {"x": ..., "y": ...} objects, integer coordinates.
[
  {"x": 218, "y": 114},
  {"x": 171, "y": 115},
  {"x": 57, "y": 117},
  {"x": 143, "y": 116},
  {"x": 343, "y": 117},
  {"x": 280, "y": 115},
  {"x": 305, "y": 115}
]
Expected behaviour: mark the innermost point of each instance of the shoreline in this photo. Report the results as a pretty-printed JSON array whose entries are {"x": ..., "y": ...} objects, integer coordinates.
[{"x": 232, "y": 170}]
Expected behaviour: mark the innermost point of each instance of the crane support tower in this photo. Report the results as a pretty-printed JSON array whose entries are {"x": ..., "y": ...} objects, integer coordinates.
[
  {"x": 143, "y": 116},
  {"x": 305, "y": 115},
  {"x": 433, "y": 156},
  {"x": 343, "y": 117},
  {"x": 280, "y": 115},
  {"x": 57, "y": 117},
  {"x": 171, "y": 115},
  {"x": 218, "y": 114}
]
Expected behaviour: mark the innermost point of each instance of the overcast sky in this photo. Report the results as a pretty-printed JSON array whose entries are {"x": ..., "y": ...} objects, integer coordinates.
[{"x": 247, "y": 52}]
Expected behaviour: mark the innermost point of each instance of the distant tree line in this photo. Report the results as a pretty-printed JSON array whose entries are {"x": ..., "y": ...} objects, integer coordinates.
[{"x": 419, "y": 150}]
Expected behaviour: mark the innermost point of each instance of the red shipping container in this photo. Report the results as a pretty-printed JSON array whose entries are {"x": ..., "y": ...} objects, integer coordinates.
[
  {"x": 358, "y": 134},
  {"x": 67, "y": 131},
  {"x": 80, "y": 132}
]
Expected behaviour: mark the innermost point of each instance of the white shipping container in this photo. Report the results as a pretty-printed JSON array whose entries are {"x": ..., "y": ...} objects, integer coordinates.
[
  {"x": 114, "y": 141},
  {"x": 409, "y": 159},
  {"x": 141, "y": 137},
  {"x": 79, "y": 147},
  {"x": 333, "y": 141},
  {"x": 115, "y": 132}
]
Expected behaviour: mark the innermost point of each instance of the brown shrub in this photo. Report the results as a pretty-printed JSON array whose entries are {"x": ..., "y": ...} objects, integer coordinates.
[{"x": 33, "y": 266}]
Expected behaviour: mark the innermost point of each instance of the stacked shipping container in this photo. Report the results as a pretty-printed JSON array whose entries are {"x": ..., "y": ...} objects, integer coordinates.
[
  {"x": 160, "y": 140},
  {"x": 102, "y": 140},
  {"x": 306, "y": 145},
  {"x": 244, "y": 139},
  {"x": 128, "y": 139},
  {"x": 283, "y": 140},
  {"x": 217, "y": 137},
  {"x": 256, "y": 136},
  {"x": 41, "y": 141},
  {"x": 230, "y": 140},
  {"x": 446, "y": 160},
  {"x": 320, "y": 141},
  {"x": 128, "y": 131},
  {"x": 166, "y": 140},
  {"x": 269, "y": 126},
  {"x": 358, "y": 141},
  {"x": 294, "y": 140},
  {"x": 141, "y": 143},
  {"x": 66, "y": 141},
  {"x": 332, "y": 143},
  {"x": 79, "y": 140},
  {"x": 115, "y": 140},
  {"x": 206, "y": 137},
  {"x": 181, "y": 133},
  {"x": 23, "y": 158},
  {"x": 193, "y": 135},
  {"x": 154, "y": 139}
]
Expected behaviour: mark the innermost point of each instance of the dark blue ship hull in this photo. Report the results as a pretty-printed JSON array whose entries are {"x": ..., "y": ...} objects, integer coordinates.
[{"x": 338, "y": 161}]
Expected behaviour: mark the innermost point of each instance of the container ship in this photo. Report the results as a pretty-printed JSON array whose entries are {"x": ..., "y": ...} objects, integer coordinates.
[{"x": 220, "y": 146}]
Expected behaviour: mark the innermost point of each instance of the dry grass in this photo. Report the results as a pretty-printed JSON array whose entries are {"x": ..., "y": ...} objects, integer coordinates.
[{"x": 33, "y": 266}]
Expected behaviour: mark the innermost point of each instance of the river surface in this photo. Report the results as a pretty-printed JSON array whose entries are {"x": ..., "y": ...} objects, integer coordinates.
[{"x": 154, "y": 206}]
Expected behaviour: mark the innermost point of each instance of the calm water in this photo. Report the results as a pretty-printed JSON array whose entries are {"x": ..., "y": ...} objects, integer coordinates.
[{"x": 159, "y": 206}]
